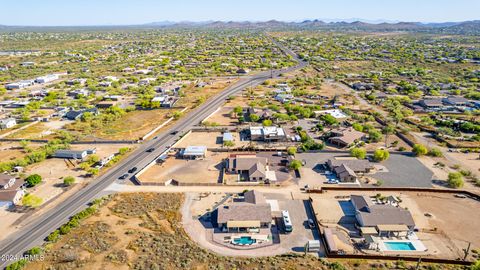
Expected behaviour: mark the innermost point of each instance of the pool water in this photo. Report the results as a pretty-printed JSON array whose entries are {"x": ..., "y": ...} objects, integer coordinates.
[
  {"x": 244, "y": 240},
  {"x": 399, "y": 246}
]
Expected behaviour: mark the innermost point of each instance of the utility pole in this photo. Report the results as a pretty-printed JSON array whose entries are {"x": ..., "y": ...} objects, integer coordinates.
[{"x": 467, "y": 251}]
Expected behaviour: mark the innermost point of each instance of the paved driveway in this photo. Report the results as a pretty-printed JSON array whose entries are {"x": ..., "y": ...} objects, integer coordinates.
[{"x": 402, "y": 170}]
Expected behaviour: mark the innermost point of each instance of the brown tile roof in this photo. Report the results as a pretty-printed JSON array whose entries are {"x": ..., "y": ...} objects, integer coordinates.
[
  {"x": 346, "y": 136},
  {"x": 245, "y": 162},
  {"x": 255, "y": 207},
  {"x": 357, "y": 165}
]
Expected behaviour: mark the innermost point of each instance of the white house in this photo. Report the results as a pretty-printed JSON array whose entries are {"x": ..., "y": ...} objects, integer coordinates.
[
  {"x": 47, "y": 78},
  {"x": 19, "y": 85},
  {"x": 7, "y": 123}
]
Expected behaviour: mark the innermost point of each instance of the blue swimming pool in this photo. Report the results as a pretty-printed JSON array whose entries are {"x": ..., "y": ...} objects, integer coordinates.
[
  {"x": 399, "y": 246},
  {"x": 244, "y": 240}
]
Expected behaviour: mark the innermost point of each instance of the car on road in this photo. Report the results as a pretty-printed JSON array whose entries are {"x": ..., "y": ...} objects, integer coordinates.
[
  {"x": 123, "y": 176},
  {"x": 174, "y": 132},
  {"x": 150, "y": 149},
  {"x": 132, "y": 170},
  {"x": 311, "y": 224}
]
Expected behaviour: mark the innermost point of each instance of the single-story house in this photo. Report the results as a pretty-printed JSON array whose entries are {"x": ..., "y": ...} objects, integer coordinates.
[
  {"x": 19, "y": 85},
  {"x": 338, "y": 114},
  {"x": 253, "y": 167},
  {"x": 12, "y": 194},
  {"x": 7, "y": 123},
  {"x": 386, "y": 219},
  {"x": 71, "y": 154},
  {"x": 6, "y": 181},
  {"x": 250, "y": 215},
  {"x": 432, "y": 103},
  {"x": 345, "y": 137},
  {"x": 347, "y": 170},
  {"x": 456, "y": 101},
  {"x": 194, "y": 152},
  {"x": 47, "y": 78},
  {"x": 267, "y": 134}
]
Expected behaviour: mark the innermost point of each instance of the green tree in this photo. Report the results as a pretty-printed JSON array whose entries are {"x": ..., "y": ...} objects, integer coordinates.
[
  {"x": 254, "y": 117},
  {"x": 292, "y": 150},
  {"x": 387, "y": 130},
  {"x": 419, "y": 150},
  {"x": 455, "y": 180},
  {"x": 33, "y": 180},
  {"x": 435, "y": 152},
  {"x": 69, "y": 180},
  {"x": 359, "y": 153},
  {"x": 381, "y": 155},
  {"x": 374, "y": 135},
  {"x": 329, "y": 120},
  {"x": 267, "y": 122},
  {"x": 31, "y": 200},
  {"x": 228, "y": 143},
  {"x": 295, "y": 164}
]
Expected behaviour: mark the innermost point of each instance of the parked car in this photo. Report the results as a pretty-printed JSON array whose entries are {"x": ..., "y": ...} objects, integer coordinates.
[
  {"x": 132, "y": 170},
  {"x": 311, "y": 224},
  {"x": 123, "y": 176}
]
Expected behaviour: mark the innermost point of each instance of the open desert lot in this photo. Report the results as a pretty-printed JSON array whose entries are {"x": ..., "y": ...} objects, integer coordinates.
[
  {"x": 222, "y": 117},
  {"x": 138, "y": 122},
  {"x": 209, "y": 139},
  {"x": 186, "y": 171}
]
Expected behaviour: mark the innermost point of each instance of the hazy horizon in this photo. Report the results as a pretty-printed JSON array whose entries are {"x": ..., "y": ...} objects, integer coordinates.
[{"x": 125, "y": 12}]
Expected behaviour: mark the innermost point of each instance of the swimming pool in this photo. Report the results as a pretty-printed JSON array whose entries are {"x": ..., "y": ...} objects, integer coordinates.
[
  {"x": 244, "y": 240},
  {"x": 405, "y": 246}
]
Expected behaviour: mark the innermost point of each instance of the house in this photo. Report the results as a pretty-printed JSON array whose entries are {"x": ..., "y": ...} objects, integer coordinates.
[
  {"x": 165, "y": 101},
  {"x": 143, "y": 71},
  {"x": 6, "y": 181},
  {"x": 431, "y": 104},
  {"x": 71, "y": 154},
  {"x": 360, "y": 86},
  {"x": 7, "y": 123},
  {"x": 250, "y": 167},
  {"x": 345, "y": 137},
  {"x": 194, "y": 152},
  {"x": 77, "y": 93},
  {"x": 385, "y": 218},
  {"x": 455, "y": 101},
  {"x": 77, "y": 114},
  {"x": 47, "y": 78},
  {"x": 79, "y": 81},
  {"x": 106, "y": 104},
  {"x": 347, "y": 169},
  {"x": 146, "y": 81},
  {"x": 11, "y": 191},
  {"x": 338, "y": 114},
  {"x": 242, "y": 71},
  {"x": 251, "y": 215},
  {"x": 27, "y": 64},
  {"x": 284, "y": 98},
  {"x": 19, "y": 85},
  {"x": 267, "y": 134}
]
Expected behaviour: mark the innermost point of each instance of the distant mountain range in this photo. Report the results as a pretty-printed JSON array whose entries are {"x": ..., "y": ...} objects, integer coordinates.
[{"x": 467, "y": 27}]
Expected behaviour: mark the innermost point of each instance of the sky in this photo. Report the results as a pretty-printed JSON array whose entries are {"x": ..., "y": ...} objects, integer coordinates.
[{"x": 127, "y": 12}]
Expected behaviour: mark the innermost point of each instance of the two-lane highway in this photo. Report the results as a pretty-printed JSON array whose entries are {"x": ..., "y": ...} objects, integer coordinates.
[{"x": 34, "y": 233}]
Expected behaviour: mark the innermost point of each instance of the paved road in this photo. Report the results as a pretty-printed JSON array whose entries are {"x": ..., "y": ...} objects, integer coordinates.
[{"x": 34, "y": 233}]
